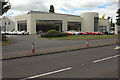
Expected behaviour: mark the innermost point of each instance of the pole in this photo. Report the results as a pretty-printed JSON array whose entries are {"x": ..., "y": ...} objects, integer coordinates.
[
  {"x": 5, "y": 32},
  {"x": 111, "y": 23},
  {"x": 0, "y": 8}
]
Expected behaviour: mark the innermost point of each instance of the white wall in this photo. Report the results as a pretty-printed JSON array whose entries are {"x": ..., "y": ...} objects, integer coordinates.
[
  {"x": 88, "y": 21},
  {"x": 31, "y": 20},
  {"x": 116, "y": 29},
  {"x": 22, "y": 18},
  {"x": 105, "y": 22},
  {"x": 0, "y": 23},
  {"x": 10, "y": 22}
]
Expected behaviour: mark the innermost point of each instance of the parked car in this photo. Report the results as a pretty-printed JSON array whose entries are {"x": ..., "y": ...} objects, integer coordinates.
[
  {"x": 15, "y": 32},
  {"x": 2, "y": 32},
  {"x": 73, "y": 32},
  {"x": 26, "y": 33},
  {"x": 111, "y": 32},
  {"x": 12, "y": 32},
  {"x": 97, "y": 33},
  {"x": 100, "y": 33},
  {"x": 89, "y": 33},
  {"x": 82, "y": 33},
  {"x": 39, "y": 32},
  {"x": 5, "y": 32},
  {"x": 22, "y": 33}
]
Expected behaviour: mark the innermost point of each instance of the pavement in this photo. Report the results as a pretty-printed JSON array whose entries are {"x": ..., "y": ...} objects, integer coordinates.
[
  {"x": 22, "y": 46},
  {"x": 101, "y": 62}
]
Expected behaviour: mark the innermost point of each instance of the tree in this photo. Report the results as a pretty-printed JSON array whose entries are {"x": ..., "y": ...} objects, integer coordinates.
[
  {"x": 51, "y": 9},
  {"x": 118, "y": 17},
  {"x": 5, "y": 6},
  {"x": 108, "y": 17}
]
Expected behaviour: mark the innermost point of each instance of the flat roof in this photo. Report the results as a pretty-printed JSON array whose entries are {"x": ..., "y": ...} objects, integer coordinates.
[{"x": 38, "y": 12}]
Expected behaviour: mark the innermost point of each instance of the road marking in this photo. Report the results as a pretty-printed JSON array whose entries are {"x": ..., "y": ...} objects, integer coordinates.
[
  {"x": 117, "y": 48},
  {"x": 45, "y": 74},
  {"x": 105, "y": 59}
]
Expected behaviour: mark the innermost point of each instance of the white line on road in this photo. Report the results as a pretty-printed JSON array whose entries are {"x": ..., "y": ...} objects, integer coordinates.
[
  {"x": 105, "y": 58},
  {"x": 53, "y": 72},
  {"x": 116, "y": 48}
]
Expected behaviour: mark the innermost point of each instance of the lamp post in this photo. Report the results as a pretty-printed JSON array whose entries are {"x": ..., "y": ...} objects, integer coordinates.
[
  {"x": 4, "y": 28},
  {"x": 111, "y": 23}
]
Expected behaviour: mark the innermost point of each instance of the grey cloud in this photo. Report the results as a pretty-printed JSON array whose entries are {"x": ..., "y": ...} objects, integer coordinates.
[
  {"x": 80, "y": 5},
  {"x": 37, "y": 5},
  {"x": 43, "y": 5}
]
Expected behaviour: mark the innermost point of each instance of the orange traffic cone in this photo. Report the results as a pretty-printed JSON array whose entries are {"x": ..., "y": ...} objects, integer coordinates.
[
  {"x": 87, "y": 44},
  {"x": 33, "y": 50},
  {"x": 115, "y": 42}
]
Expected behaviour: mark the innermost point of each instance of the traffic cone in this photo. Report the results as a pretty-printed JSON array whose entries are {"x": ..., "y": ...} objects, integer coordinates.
[
  {"x": 115, "y": 42},
  {"x": 117, "y": 47},
  {"x": 33, "y": 50},
  {"x": 87, "y": 44}
]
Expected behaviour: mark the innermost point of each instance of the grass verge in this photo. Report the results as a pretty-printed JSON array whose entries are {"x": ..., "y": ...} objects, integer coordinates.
[
  {"x": 5, "y": 43},
  {"x": 82, "y": 37}
]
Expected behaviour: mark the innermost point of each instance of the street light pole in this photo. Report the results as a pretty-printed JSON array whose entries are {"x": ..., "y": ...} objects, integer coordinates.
[
  {"x": 4, "y": 28},
  {"x": 111, "y": 23}
]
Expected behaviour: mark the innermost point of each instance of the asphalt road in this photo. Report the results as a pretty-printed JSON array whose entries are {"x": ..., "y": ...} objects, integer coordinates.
[
  {"x": 99, "y": 62},
  {"x": 23, "y": 43}
]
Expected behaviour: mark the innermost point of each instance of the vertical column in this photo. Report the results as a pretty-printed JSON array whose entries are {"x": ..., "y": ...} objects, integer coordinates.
[
  {"x": 31, "y": 25},
  {"x": 0, "y": 43},
  {"x": 16, "y": 25},
  {"x": 0, "y": 8},
  {"x": 116, "y": 29},
  {"x": 60, "y": 27},
  {"x": 64, "y": 25},
  {"x": 79, "y": 27}
]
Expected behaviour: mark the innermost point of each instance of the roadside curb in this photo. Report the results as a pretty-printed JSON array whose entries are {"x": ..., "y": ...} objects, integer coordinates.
[{"x": 55, "y": 52}]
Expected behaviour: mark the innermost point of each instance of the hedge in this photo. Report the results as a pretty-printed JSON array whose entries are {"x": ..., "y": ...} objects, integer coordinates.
[{"x": 54, "y": 33}]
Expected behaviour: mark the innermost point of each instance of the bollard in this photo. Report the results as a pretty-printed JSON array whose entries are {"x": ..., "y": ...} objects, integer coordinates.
[
  {"x": 117, "y": 47},
  {"x": 115, "y": 42},
  {"x": 33, "y": 50},
  {"x": 87, "y": 43}
]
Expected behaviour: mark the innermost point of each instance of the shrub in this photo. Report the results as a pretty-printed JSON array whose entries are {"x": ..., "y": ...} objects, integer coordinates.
[
  {"x": 44, "y": 35},
  {"x": 54, "y": 33},
  {"x": 64, "y": 34}
]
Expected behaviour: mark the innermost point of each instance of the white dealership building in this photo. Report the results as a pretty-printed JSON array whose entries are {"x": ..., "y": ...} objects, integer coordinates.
[{"x": 35, "y": 21}]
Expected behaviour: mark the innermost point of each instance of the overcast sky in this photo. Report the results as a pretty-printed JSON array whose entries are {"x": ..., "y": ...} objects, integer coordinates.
[{"x": 75, "y": 7}]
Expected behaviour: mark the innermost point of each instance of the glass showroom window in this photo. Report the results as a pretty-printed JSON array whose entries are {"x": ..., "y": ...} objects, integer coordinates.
[{"x": 96, "y": 23}]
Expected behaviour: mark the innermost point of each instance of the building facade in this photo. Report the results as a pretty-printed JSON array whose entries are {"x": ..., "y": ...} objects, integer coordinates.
[
  {"x": 7, "y": 23},
  {"x": 104, "y": 25},
  {"x": 0, "y": 23},
  {"x": 36, "y": 21}
]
